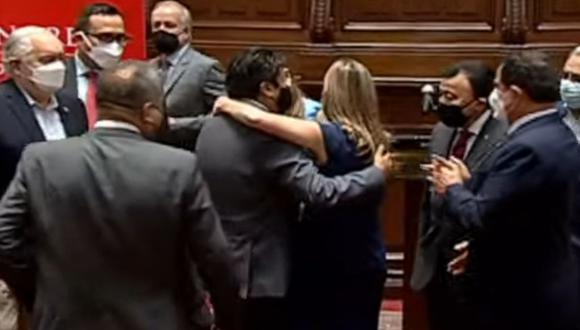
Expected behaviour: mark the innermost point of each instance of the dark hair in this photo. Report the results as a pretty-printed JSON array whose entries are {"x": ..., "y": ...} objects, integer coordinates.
[
  {"x": 480, "y": 76},
  {"x": 100, "y": 8},
  {"x": 250, "y": 68},
  {"x": 532, "y": 72},
  {"x": 130, "y": 84}
]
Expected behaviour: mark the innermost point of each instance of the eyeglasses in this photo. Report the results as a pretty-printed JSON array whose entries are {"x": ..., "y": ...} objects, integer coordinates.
[{"x": 107, "y": 38}]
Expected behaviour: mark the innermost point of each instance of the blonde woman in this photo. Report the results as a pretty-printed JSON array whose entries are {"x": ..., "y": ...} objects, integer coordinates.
[{"x": 339, "y": 265}]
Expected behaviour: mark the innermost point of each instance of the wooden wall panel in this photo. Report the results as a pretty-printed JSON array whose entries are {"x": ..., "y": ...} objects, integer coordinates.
[{"x": 553, "y": 21}]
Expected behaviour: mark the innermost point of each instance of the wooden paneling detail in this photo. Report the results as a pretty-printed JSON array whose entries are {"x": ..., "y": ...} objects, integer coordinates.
[
  {"x": 553, "y": 20},
  {"x": 418, "y": 21}
]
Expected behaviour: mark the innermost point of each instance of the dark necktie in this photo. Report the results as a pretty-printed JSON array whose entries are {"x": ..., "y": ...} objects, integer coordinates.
[{"x": 460, "y": 147}]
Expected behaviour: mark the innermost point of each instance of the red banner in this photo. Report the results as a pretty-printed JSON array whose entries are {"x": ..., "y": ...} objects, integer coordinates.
[{"x": 60, "y": 17}]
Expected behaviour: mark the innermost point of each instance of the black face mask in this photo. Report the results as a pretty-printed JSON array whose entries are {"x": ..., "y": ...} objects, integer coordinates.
[
  {"x": 452, "y": 115},
  {"x": 165, "y": 42},
  {"x": 284, "y": 100}
]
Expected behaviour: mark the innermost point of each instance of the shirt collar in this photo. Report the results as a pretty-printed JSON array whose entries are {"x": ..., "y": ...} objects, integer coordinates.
[
  {"x": 478, "y": 124},
  {"x": 32, "y": 102},
  {"x": 115, "y": 124},
  {"x": 82, "y": 69},
  {"x": 176, "y": 56},
  {"x": 530, "y": 117}
]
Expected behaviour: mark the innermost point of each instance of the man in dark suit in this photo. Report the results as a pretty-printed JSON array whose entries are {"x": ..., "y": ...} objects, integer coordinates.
[
  {"x": 468, "y": 130},
  {"x": 111, "y": 220},
  {"x": 257, "y": 182},
  {"x": 31, "y": 111},
  {"x": 521, "y": 206},
  {"x": 192, "y": 81},
  {"x": 100, "y": 38}
]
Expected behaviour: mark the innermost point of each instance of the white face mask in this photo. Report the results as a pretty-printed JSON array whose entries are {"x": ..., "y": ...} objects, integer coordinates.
[
  {"x": 49, "y": 77},
  {"x": 496, "y": 104},
  {"x": 107, "y": 55}
]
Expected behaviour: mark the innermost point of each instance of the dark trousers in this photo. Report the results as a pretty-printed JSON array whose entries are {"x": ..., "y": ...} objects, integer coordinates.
[
  {"x": 265, "y": 314},
  {"x": 338, "y": 302},
  {"x": 451, "y": 303}
]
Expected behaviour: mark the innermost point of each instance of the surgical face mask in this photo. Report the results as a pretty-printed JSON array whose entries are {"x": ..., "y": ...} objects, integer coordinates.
[
  {"x": 106, "y": 55},
  {"x": 49, "y": 77},
  {"x": 570, "y": 93},
  {"x": 496, "y": 104}
]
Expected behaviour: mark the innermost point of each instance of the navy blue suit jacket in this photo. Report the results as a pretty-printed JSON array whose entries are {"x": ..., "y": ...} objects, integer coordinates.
[{"x": 521, "y": 209}]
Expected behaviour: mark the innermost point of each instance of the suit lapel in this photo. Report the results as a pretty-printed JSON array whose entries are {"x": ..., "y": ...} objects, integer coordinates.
[
  {"x": 179, "y": 69},
  {"x": 25, "y": 114},
  {"x": 71, "y": 77},
  {"x": 441, "y": 143},
  {"x": 492, "y": 135},
  {"x": 66, "y": 119}
]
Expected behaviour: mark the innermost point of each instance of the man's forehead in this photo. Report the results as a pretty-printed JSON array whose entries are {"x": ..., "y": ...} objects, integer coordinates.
[
  {"x": 106, "y": 23},
  {"x": 46, "y": 44},
  {"x": 573, "y": 64},
  {"x": 457, "y": 82}
]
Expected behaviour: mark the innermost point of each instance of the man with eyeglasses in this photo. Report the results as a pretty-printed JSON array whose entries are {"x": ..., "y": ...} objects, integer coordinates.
[
  {"x": 31, "y": 110},
  {"x": 100, "y": 39}
]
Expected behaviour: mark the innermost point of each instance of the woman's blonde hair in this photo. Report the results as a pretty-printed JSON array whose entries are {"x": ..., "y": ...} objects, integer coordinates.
[{"x": 350, "y": 99}]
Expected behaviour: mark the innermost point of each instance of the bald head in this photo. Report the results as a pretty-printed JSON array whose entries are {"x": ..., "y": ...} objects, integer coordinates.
[{"x": 130, "y": 85}]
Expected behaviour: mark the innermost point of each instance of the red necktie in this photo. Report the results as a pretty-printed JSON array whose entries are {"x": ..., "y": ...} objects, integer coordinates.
[
  {"x": 460, "y": 146},
  {"x": 92, "y": 111}
]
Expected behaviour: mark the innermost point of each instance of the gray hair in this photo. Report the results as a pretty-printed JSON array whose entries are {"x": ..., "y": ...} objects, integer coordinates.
[
  {"x": 19, "y": 44},
  {"x": 576, "y": 51},
  {"x": 130, "y": 84},
  {"x": 186, "y": 19}
]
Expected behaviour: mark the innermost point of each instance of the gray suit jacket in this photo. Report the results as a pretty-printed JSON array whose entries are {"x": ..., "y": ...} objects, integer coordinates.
[
  {"x": 191, "y": 89},
  {"x": 436, "y": 235},
  {"x": 112, "y": 222},
  {"x": 257, "y": 182}
]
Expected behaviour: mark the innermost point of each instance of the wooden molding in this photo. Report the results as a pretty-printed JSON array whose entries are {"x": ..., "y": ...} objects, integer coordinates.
[
  {"x": 320, "y": 21},
  {"x": 419, "y": 26}
]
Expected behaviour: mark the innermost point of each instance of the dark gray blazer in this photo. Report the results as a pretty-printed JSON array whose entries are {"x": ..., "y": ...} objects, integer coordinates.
[
  {"x": 436, "y": 235},
  {"x": 257, "y": 182},
  {"x": 70, "y": 82},
  {"x": 112, "y": 221},
  {"x": 191, "y": 89}
]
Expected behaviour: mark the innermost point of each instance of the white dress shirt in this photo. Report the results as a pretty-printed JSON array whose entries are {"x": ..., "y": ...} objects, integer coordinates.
[
  {"x": 117, "y": 125},
  {"x": 47, "y": 118},
  {"x": 528, "y": 118},
  {"x": 475, "y": 128}
]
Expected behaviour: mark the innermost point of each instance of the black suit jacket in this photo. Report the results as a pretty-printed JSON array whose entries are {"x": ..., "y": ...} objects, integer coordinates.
[
  {"x": 436, "y": 236},
  {"x": 18, "y": 126},
  {"x": 521, "y": 208},
  {"x": 257, "y": 182},
  {"x": 113, "y": 221},
  {"x": 70, "y": 82}
]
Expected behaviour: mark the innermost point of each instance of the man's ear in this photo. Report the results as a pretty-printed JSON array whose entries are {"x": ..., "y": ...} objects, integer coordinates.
[
  {"x": 147, "y": 115},
  {"x": 267, "y": 89},
  {"x": 517, "y": 90}
]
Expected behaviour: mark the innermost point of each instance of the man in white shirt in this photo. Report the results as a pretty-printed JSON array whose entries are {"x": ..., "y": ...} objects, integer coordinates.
[
  {"x": 32, "y": 111},
  {"x": 100, "y": 39}
]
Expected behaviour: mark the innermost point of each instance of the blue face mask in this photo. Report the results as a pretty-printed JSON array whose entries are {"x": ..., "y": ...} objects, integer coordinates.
[{"x": 570, "y": 93}]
